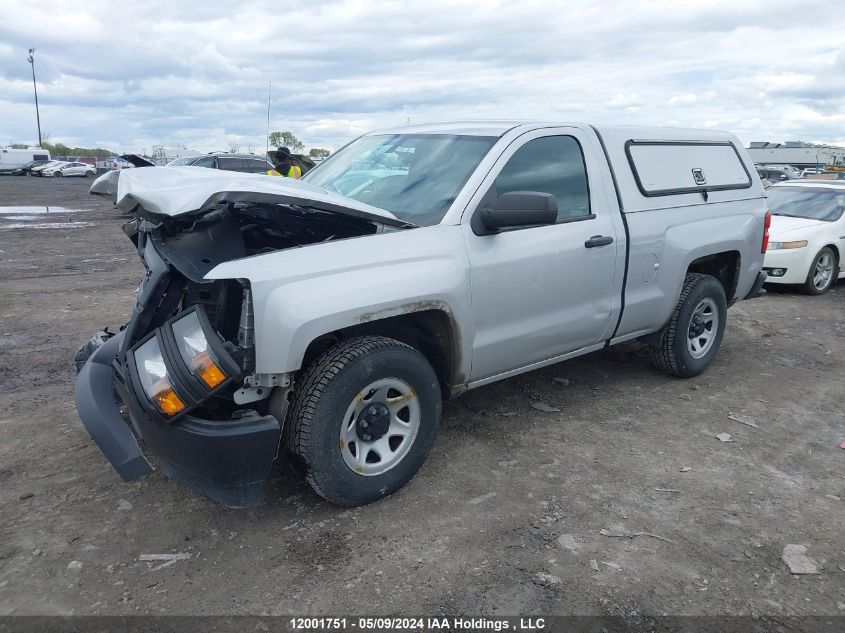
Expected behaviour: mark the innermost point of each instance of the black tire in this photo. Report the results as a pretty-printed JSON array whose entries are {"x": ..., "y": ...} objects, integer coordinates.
[
  {"x": 671, "y": 354},
  {"x": 89, "y": 174},
  {"x": 327, "y": 389},
  {"x": 58, "y": 174},
  {"x": 809, "y": 286}
]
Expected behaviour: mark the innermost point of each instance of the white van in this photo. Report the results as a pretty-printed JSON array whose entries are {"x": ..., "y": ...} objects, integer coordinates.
[{"x": 12, "y": 159}]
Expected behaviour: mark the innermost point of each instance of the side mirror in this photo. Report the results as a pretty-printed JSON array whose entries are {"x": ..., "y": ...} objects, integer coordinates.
[{"x": 516, "y": 209}]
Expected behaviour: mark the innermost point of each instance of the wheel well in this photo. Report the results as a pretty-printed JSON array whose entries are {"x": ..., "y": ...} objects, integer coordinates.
[
  {"x": 431, "y": 332},
  {"x": 723, "y": 266}
]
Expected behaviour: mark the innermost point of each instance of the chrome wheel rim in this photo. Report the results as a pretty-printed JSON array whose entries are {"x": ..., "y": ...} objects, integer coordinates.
[
  {"x": 380, "y": 426},
  {"x": 703, "y": 326},
  {"x": 823, "y": 271}
]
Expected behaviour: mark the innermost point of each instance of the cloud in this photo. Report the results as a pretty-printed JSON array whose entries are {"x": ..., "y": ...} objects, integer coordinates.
[{"x": 132, "y": 74}]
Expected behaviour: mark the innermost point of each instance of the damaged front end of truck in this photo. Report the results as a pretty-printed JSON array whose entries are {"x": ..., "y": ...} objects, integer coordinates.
[{"x": 180, "y": 375}]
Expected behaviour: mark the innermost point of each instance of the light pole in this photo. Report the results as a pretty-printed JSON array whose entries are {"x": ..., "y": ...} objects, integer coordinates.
[{"x": 31, "y": 60}]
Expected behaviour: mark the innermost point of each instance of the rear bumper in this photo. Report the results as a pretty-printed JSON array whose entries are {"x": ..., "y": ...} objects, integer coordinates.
[
  {"x": 228, "y": 461},
  {"x": 757, "y": 288}
]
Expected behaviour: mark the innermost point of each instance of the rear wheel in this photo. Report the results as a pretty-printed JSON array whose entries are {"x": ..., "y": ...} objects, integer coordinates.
[
  {"x": 691, "y": 339},
  {"x": 822, "y": 272},
  {"x": 89, "y": 174},
  {"x": 364, "y": 418}
]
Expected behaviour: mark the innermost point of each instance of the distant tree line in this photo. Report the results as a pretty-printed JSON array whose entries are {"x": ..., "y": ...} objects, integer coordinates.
[{"x": 60, "y": 149}]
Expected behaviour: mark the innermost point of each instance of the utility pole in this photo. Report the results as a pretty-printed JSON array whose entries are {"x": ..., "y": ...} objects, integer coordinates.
[
  {"x": 267, "y": 138},
  {"x": 31, "y": 60}
]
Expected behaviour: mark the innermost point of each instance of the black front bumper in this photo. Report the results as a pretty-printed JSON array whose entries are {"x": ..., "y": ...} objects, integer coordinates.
[{"x": 228, "y": 461}]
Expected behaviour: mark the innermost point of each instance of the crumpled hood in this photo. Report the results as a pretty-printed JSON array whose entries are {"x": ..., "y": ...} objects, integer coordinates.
[
  {"x": 106, "y": 185},
  {"x": 174, "y": 191},
  {"x": 784, "y": 224}
]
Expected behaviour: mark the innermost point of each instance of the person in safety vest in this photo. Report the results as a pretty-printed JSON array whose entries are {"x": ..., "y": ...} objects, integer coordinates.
[{"x": 286, "y": 165}]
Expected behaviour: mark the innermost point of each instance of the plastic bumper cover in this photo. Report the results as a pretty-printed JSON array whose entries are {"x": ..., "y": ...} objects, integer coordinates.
[
  {"x": 228, "y": 461},
  {"x": 99, "y": 412}
]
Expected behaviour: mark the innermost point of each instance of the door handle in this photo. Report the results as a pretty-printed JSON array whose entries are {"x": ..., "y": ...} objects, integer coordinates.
[{"x": 598, "y": 240}]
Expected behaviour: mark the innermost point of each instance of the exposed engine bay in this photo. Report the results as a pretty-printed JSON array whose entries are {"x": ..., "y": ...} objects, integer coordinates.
[{"x": 191, "y": 245}]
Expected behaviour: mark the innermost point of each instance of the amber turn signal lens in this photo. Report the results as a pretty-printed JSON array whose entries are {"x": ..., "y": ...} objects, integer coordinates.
[
  {"x": 166, "y": 399},
  {"x": 207, "y": 370}
]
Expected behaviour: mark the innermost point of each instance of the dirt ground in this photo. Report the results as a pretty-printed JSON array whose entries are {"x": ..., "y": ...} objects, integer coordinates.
[{"x": 504, "y": 518}]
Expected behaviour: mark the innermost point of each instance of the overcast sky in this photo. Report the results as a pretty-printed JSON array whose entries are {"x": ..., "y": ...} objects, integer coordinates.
[{"x": 127, "y": 75}]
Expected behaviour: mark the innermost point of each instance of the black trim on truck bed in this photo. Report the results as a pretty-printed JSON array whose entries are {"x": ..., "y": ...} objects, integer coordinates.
[{"x": 627, "y": 234}]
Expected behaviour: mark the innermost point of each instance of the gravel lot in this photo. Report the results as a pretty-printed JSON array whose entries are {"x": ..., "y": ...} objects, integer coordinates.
[{"x": 506, "y": 515}]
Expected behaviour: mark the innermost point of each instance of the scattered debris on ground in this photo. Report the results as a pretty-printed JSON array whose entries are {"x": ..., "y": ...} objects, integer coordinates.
[
  {"x": 795, "y": 556},
  {"x": 621, "y": 532},
  {"x": 544, "y": 407},
  {"x": 547, "y": 580},
  {"x": 725, "y": 437},
  {"x": 742, "y": 419},
  {"x": 567, "y": 541}
]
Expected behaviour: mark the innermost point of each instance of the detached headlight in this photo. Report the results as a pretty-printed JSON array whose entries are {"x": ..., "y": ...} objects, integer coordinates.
[
  {"x": 152, "y": 373},
  {"x": 196, "y": 352},
  {"x": 777, "y": 246}
]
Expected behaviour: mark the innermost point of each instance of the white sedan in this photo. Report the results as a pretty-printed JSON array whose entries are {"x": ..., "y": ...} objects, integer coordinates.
[
  {"x": 807, "y": 235},
  {"x": 70, "y": 169}
]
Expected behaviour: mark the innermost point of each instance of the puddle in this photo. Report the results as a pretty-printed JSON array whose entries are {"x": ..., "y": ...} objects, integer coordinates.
[
  {"x": 30, "y": 217},
  {"x": 44, "y": 225},
  {"x": 34, "y": 210}
]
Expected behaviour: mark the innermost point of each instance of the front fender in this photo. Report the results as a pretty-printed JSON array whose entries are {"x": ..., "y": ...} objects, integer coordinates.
[{"x": 301, "y": 294}]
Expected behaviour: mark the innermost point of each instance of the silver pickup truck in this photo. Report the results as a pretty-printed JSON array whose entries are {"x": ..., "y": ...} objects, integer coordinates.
[{"x": 327, "y": 319}]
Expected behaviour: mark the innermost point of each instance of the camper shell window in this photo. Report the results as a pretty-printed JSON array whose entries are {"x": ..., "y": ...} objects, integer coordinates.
[{"x": 665, "y": 168}]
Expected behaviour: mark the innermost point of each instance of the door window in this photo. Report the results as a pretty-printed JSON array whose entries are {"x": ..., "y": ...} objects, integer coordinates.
[
  {"x": 255, "y": 166},
  {"x": 552, "y": 164},
  {"x": 208, "y": 161},
  {"x": 230, "y": 164}
]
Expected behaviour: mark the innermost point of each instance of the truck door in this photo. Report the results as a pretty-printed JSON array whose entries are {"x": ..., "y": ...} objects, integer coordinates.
[{"x": 541, "y": 292}]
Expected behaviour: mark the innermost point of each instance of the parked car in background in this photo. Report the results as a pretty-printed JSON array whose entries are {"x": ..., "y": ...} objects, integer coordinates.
[
  {"x": 330, "y": 320},
  {"x": 39, "y": 171},
  {"x": 827, "y": 175},
  {"x": 106, "y": 184},
  {"x": 246, "y": 163},
  {"x": 777, "y": 173},
  {"x": 69, "y": 169},
  {"x": 807, "y": 236},
  {"x": 12, "y": 159},
  {"x": 811, "y": 170},
  {"x": 26, "y": 170}
]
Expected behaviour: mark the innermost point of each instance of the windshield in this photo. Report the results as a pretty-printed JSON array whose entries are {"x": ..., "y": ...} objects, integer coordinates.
[
  {"x": 804, "y": 202},
  {"x": 414, "y": 176},
  {"x": 181, "y": 162}
]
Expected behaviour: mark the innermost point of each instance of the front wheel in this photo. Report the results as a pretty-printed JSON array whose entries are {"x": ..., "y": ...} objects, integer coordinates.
[
  {"x": 822, "y": 272},
  {"x": 58, "y": 174},
  {"x": 689, "y": 342},
  {"x": 365, "y": 415}
]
